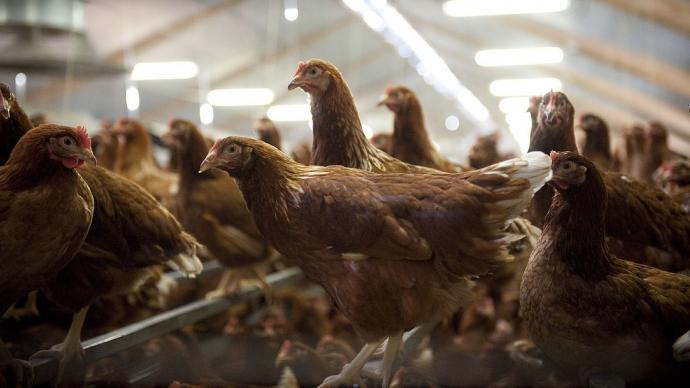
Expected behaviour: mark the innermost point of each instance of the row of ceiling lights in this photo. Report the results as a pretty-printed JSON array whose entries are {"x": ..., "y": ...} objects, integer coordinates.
[{"x": 386, "y": 20}]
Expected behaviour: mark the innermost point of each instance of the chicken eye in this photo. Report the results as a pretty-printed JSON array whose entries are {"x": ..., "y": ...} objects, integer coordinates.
[
  {"x": 232, "y": 149},
  {"x": 567, "y": 165},
  {"x": 67, "y": 141},
  {"x": 313, "y": 71}
]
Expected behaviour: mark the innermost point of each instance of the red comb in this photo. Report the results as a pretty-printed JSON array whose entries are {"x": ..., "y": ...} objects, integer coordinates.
[
  {"x": 300, "y": 67},
  {"x": 216, "y": 145},
  {"x": 553, "y": 155},
  {"x": 84, "y": 137}
]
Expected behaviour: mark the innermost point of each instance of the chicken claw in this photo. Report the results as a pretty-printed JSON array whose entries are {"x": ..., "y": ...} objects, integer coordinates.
[
  {"x": 351, "y": 372},
  {"x": 14, "y": 372},
  {"x": 30, "y": 308},
  {"x": 69, "y": 353}
]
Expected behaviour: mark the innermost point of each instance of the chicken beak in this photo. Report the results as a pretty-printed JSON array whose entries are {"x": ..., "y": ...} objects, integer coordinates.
[
  {"x": 208, "y": 163},
  {"x": 87, "y": 156},
  {"x": 5, "y": 109},
  {"x": 383, "y": 100},
  {"x": 296, "y": 82}
]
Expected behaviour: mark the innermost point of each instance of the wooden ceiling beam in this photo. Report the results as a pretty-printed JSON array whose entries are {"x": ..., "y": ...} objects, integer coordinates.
[
  {"x": 671, "y": 13},
  {"x": 311, "y": 38},
  {"x": 646, "y": 66}
]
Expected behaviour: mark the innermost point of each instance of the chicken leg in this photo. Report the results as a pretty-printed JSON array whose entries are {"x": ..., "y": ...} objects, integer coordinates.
[
  {"x": 681, "y": 348},
  {"x": 70, "y": 350},
  {"x": 30, "y": 308},
  {"x": 392, "y": 349},
  {"x": 351, "y": 372},
  {"x": 14, "y": 372}
]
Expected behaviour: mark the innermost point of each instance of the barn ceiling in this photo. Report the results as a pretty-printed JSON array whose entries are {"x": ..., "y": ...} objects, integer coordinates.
[{"x": 625, "y": 60}]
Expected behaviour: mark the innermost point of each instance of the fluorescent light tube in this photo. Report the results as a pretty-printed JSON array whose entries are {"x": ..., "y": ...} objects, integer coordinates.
[
  {"x": 240, "y": 97},
  {"x": 519, "y": 56},
  {"x": 151, "y": 71},
  {"x": 524, "y": 86},
  {"x": 462, "y": 8}
]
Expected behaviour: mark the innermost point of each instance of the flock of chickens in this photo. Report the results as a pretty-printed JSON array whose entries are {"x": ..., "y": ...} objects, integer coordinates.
[{"x": 549, "y": 269}]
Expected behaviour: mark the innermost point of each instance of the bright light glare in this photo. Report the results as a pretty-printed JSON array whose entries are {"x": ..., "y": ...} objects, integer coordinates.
[
  {"x": 368, "y": 132},
  {"x": 132, "y": 98},
  {"x": 240, "y": 97},
  {"x": 460, "y": 8},
  {"x": 150, "y": 71},
  {"x": 289, "y": 112},
  {"x": 514, "y": 104},
  {"x": 520, "y": 125},
  {"x": 519, "y": 56},
  {"x": 291, "y": 14},
  {"x": 206, "y": 113},
  {"x": 452, "y": 123},
  {"x": 524, "y": 86},
  {"x": 397, "y": 31},
  {"x": 20, "y": 80}
]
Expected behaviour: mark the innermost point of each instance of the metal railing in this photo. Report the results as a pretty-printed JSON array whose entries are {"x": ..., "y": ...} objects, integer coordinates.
[{"x": 45, "y": 370}]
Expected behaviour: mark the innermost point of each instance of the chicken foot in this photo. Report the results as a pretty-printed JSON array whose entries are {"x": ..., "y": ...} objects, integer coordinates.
[
  {"x": 30, "y": 308},
  {"x": 232, "y": 280},
  {"x": 70, "y": 350},
  {"x": 681, "y": 348},
  {"x": 14, "y": 372},
  {"x": 392, "y": 349},
  {"x": 351, "y": 372}
]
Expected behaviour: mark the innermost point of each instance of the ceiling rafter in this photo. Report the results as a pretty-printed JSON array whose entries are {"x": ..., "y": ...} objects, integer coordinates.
[
  {"x": 143, "y": 43},
  {"x": 646, "y": 66},
  {"x": 671, "y": 13},
  {"x": 311, "y": 38}
]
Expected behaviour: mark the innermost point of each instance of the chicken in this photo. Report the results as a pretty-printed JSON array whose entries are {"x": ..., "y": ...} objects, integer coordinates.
[
  {"x": 301, "y": 153},
  {"x": 46, "y": 209},
  {"x": 312, "y": 366},
  {"x": 674, "y": 178},
  {"x": 411, "y": 142},
  {"x": 642, "y": 223},
  {"x": 13, "y": 124},
  {"x": 484, "y": 152},
  {"x": 211, "y": 207},
  {"x": 382, "y": 141},
  {"x": 136, "y": 161},
  {"x": 597, "y": 147},
  {"x": 553, "y": 131},
  {"x": 388, "y": 248},
  {"x": 635, "y": 148},
  {"x": 105, "y": 146},
  {"x": 267, "y": 131},
  {"x": 589, "y": 310},
  {"x": 130, "y": 232},
  {"x": 338, "y": 135},
  {"x": 533, "y": 109},
  {"x": 657, "y": 149}
]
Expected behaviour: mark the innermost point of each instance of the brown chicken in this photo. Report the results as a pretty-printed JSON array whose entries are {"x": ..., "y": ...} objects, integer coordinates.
[
  {"x": 13, "y": 125},
  {"x": 105, "y": 146},
  {"x": 338, "y": 135},
  {"x": 589, "y": 310},
  {"x": 130, "y": 232},
  {"x": 411, "y": 142},
  {"x": 674, "y": 178},
  {"x": 388, "y": 248},
  {"x": 635, "y": 148},
  {"x": 136, "y": 161},
  {"x": 597, "y": 147},
  {"x": 484, "y": 151},
  {"x": 46, "y": 209},
  {"x": 382, "y": 141},
  {"x": 268, "y": 132},
  {"x": 301, "y": 153},
  {"x": 212, "y": 208},
  {"x": 642, "y": 223},
  {"x": 313, "y": 365}
]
